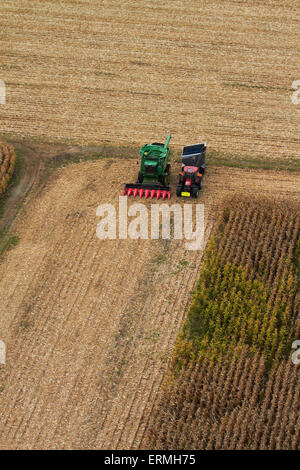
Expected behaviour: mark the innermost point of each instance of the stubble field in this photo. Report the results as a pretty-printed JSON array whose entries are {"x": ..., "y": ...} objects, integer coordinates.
[
  {"x": 90, "y": 325},
  {"x": 123, "y": 72}
]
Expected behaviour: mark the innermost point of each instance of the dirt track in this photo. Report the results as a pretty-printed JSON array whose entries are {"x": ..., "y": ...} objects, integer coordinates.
[{"x": 89, "y": 324}]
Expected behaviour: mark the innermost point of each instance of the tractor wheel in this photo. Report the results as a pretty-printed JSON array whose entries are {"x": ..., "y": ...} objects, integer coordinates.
[
  {"x": 140, "y": 177},
  {"x": 195, "y": 192},
  {"x": 178, "y": 191}
]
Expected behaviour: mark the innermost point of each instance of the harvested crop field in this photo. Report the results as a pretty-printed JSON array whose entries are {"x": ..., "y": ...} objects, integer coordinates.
[
  {"x": 90, "y": 325},
  {"x": 87, "y": 71}
]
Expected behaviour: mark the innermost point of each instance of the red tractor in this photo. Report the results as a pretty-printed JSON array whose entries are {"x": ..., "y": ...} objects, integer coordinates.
[{"x": 192, "y": 171}]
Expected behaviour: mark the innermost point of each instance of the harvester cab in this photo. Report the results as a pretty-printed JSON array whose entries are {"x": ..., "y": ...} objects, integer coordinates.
[
  {"x": 153, "y": 177},
  {"x": 192, "y": 170}
]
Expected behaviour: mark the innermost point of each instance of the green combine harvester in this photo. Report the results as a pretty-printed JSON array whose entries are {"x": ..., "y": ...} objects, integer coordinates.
[{"x": 154, "y": 174}]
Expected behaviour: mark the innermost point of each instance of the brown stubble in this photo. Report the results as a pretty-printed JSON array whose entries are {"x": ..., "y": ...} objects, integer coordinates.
[
  {"x": 219, "y": 71},
  {"x": 90, "y": 326}
]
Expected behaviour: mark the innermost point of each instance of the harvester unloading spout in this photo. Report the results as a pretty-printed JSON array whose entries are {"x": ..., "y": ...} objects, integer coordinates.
[{"x": 167, "y": 141}]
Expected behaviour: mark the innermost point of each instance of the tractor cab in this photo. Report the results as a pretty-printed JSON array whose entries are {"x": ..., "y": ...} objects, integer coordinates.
[
  {"x": 189, "y": 174},
  {"x": 150, "y": 165},
  {"x": 189, "y": 181},
  {"x": 189, "y": 170}
]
